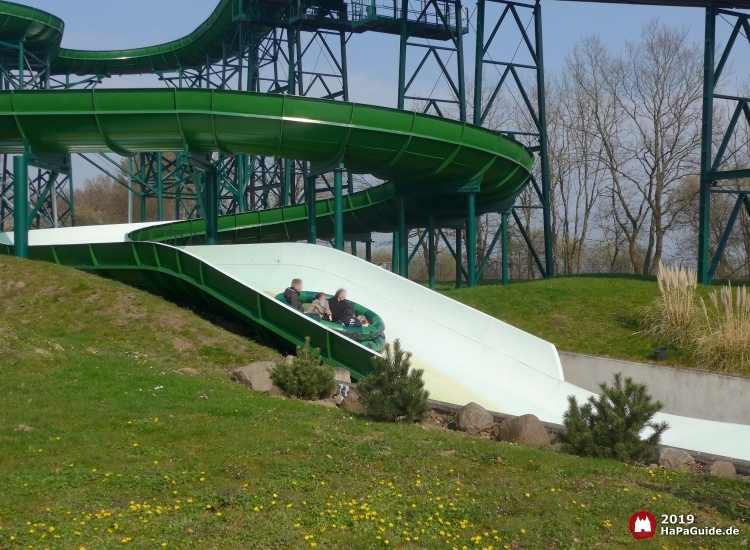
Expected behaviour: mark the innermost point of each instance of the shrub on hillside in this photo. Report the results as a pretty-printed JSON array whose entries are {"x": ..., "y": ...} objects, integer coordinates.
[
  {"x": 394, "y": 390},
  {"x": 610, "y": 425},
  {"x": 724, "y": 343},
  {"x": 672, "y": 317},
  {"x": 307, "y": 377}
]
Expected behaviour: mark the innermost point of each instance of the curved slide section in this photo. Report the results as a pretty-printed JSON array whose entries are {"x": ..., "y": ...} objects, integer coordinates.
[{"x": 43, "y": 33}]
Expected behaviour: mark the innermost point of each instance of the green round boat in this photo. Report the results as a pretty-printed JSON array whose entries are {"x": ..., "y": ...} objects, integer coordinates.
[{"x": 372, "y": 336}]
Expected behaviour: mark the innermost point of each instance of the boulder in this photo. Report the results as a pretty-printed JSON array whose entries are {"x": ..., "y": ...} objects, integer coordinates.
[
  {"x": 723, "y": 468},
  {"x": 474, "y": 419},
  {"x": 343, "y": 376},
  {"x": 526, "y": 430},
  {"x": 350, "y": 402},
  {"x": 190, "y": 371},
  {"x": 23, "y": 428},
  {"x": 41, "y": 351},
  {"x": 676, "y": 459},
  {"x": 257, "y": 376}
]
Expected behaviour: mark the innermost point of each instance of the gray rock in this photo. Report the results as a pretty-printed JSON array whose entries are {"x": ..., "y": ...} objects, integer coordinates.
[
  {"x": 257, "y": 376},
  {"x": 474, "y": 419},
  {"x": 723, "y": 468},
  {"x": 41, "y": 351},
  {"x": 351, "y": 402},
  {"x": 289, "y": 359},
  {"x": 23, "y": 428},
  {"x": 342, "y": 375},
  {"x": 676, "y": 459},
  {"x": 447, "y": 453},
  {"x": 58, "y": 347},
  {"x": 526, "y": 430}
]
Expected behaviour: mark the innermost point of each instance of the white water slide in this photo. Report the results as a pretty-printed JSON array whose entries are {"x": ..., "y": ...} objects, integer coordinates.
[{"x": 466, "y": 355}]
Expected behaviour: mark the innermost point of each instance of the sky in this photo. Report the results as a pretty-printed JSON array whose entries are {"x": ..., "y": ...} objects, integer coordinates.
[{"x": 372, "y": 58}]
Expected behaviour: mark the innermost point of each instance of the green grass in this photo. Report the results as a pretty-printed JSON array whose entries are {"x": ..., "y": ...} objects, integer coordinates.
[
  {"x": 204, "y": 463},
  {"x": 585, "y": 314}
]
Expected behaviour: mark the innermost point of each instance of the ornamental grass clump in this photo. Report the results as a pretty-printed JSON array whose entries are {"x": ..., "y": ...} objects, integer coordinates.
[
  {"x": 724, "y": 344},
  {"x": 307, "y": 377},
  {"x": 672, "y": 317},
  {"x": 610, "y": 425},
  {"x": 394, "y": 390}
]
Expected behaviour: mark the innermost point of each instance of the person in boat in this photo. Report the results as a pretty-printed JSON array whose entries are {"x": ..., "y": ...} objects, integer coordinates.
[
  {"x": 338, "y": 305},
  {"x": 319, "y": 308},
  {"x": 350, "y": 319},
  {"x": 291, "y": 295}
]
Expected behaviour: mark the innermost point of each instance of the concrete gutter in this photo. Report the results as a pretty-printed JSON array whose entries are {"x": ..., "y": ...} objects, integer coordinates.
[{"x": 684, "y": 392}]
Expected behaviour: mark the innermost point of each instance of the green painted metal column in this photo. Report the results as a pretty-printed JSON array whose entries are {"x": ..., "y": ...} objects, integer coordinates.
[
  {"x": 479, "y": 63},
  {"x": 211, "y": 204},
  {"x": 287, "y": 181},
  {"x": 471, "y": 240},
  {"x": 704, "y": 210},
  {"x": 395, "y": 265},
  {"x": 459, "y": 259},
  {"x": 504, "y": 229},
  {"x": 403, "y": 239},
  {"x": 402, "y": 53},
  {"x": 368, "y": 251},
  {"x": 312, "y": 220},
  {"x": 431, "y": 250},
  {"x": 549, "y": 260},
  {"x": 159, "y": 188},
  {"x": 21, "y": 206},
  {"x": 338, "y": 209}
]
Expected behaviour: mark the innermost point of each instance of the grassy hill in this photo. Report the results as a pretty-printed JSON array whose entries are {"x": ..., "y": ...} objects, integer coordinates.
[
  {"x": 584, "y": 314},
  {"x": 119, "y": 427}
]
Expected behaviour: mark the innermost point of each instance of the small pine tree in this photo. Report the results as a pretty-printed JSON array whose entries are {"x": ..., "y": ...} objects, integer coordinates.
[
  {"x": 609, "y": 425},
  {"x": 307, "y": 377},
  {"x": 394, "y": 390}
]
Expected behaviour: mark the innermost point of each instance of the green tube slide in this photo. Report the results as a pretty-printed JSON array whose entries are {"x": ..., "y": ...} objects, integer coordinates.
[{"x": 432, "y": 162}]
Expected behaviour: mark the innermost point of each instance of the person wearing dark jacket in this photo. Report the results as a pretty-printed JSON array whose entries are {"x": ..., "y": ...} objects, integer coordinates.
[
  {"x": 338, "y": 305},
  {"x": 349, "y": 319},
  {"x": 291, "y": 295}
]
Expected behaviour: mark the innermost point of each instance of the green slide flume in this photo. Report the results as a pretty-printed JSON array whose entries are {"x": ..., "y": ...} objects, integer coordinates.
[{"x": 427, "y": 159}]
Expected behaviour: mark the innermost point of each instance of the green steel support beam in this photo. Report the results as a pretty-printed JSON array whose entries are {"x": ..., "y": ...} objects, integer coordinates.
[
  {"x": 402, "y": 53},
  {"x": 21, "y": 206},
  {"x": 212, "y": 205},
  {"x": 704, "y": 211},
  {"x": 72, "y": 205},
  {"x": 431, "y": 250},
  {"x": 312, "y": 220},
  {"x": 159, "y": 188},
  {"x": 479, "y": 63},
  {"x": 460, "y": 62},
  {"x": 403, "y": 238},
  {"x": 338, "y": 209},
  {"x": 471, "y": 241},
  {"x": 394, "y": 252},
  {"x": 287, "y": 183},
  {"x": 459, "y": 260},
  {"x": 506, "y": 256},
  {"x": 21, "y": 66},
  {"x": 549, "y": 261},
  {"x": 368, "y": 251}
]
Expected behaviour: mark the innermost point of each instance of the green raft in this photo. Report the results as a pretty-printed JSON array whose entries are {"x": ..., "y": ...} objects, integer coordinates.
[{"x": 372, "y": 336}]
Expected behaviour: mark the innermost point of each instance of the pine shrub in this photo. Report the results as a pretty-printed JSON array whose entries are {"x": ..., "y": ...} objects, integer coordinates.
[
  {"x": 307, "y": 377},
  {"x": 394, "y": 390},
  {"x": 610, "y": 425}
]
